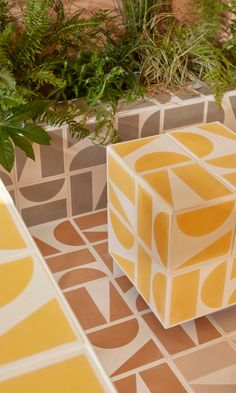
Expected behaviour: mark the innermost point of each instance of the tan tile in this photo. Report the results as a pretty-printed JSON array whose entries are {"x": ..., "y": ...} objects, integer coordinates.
[
  {"x": 45, "y": 248},
  {"x": 148, "y": 353},
  {"x": 115, "y": 336},
  {"x": 124, "y": 283},
  {"x": 102, "y": 250},
  {"x": 91, "y": 220},
  {"x": 161, "y": 379},
  {"x": 118, "y": 307},
  {"x": 226, "y": 319},
  {"x": 127, "y": 384},
  {"x": 79, "y": 276},
  {"x": 174, "y": 339},
  {"x": 70, "y": 260},
  {"x": 85, "y": 308},
  {"x": 66, "y": 234},
  {"x": 205, "y": 330},
  {"x": 205, "y": 361},
  {"x": 95, "y": 236}
]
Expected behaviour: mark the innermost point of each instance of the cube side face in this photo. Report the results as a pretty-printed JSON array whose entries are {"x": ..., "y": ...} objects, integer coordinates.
[
  {"x": 202, "y": 291},
  {"x": 132, "y": 215}
]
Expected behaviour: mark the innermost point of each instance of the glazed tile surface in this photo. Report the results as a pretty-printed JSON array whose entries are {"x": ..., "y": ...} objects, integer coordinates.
[
  {"x": 172, "y": 219},
  {"x": 139, "y": 355},
  {"x": 40, "y": 338}
]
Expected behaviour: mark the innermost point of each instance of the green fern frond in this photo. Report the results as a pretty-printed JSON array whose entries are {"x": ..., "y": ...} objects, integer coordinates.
[
  {"x": 36, "y": 22},
  {"x": 41, "y": 76}
]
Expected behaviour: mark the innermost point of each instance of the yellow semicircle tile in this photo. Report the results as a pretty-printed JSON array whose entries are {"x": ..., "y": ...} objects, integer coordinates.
[
  {"x": 113, "y": 198},
  {"x": 126, "y": 265},
  {"x": 10, "y": 236},
  {"x": 233, "y": 272},
  {"x": 161, "y": 236},
  {"x": 159, "y": 286},
  {"x": 14, "y": 278},
  {"x": 202, "y": 182},
  {"x": 121, "y": 178},
  {"x": 203, "y": 221},
  {"x": 124, "y": 236},
  {"x": 197, "y": 144},
  {"x": 160, "y": 182},
  {"x": 123, "y": 149},
  {"x": 231, "y": 177},
  {"x": 228, "y": 161},
  {"x": 70, "y": 375},
  {"x": 218, "y": 129},
  {"x": 46, "y": 328},
  {"x": 232, "y": 298},
  {"x": 213, "y": 286},
  {"x": 161, "y": 159},
  {"x": 216, "y": 249}
]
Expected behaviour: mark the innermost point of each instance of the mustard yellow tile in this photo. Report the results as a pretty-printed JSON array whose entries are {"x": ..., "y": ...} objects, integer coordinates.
[
  {"x": 233, "y": 272},
  {"x": 161, "y": 236},
  {"x": 123, "y": 235},
  {"x": 228, "y": 161},
  {"x": 232, "y": 298},
  {"x": 218, "y": 129},
  {"x": 125, "y": 264},
  {"x": 123, "y": 149},
  {"x": 202, "y": 182},
  {"x": 46, "y": 328},
  {"x": 216, "y": 249},
  {"x": 114, "y": 200},
  {"x": 160, "y": 182},
  {"x": 121, "y": 178},
  {"x": 203, "y": 221},
  {"x": 184, "y": 297},
  {"x": 213, "y": 286},
  {"x": 15, "y": 276},
  {"x": 159, "y": 288},
  {"x": 161, "y": 159},
  {"x": 196, "y": 143},
  {"x": 70, "y": 376},
  {"x": 10, "y": 237},
  {"x": 144, "y": 212},
  {"x": 231, "y": 177},
  {"x": 144, "y": 273}
]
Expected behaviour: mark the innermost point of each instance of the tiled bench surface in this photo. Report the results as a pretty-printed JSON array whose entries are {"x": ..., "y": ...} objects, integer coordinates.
[
  {"x": 172, "y": 219},
  {"x": 42, "y": 347}
]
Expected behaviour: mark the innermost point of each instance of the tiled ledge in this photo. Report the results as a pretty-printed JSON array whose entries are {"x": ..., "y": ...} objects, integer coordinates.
[{"x": 68, "y": 178}]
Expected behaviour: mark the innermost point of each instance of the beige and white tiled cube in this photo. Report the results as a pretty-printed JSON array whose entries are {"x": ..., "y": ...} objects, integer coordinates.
[{"x": 172, "y": 220}]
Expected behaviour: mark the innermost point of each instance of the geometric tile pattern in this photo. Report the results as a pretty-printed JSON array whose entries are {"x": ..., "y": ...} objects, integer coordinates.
[
  {"x": 139, "y": 355},
  {"x": 164, "y": 194},
  {"x": 49, "y": 188},
  {"x": 39, "y": 337}
]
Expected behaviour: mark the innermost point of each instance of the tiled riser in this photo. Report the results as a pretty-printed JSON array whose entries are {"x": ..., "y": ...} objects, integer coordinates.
[
  {"x": 69, "y": 177},
  {"x": 39, "y": 337}
]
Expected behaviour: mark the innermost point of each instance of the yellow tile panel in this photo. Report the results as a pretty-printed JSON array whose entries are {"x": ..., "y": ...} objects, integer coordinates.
[
  {"x": 46, "y": 328},
  {"x": 198, "y": 144},
  {"x": 10, "y": 236},
  {"x": 144, "y": 273},
  {"x": 74, "y": 375},
  {"x": 202, "y": 182},
  {"x": 121, "y": 178},
  {"x": 15, "y": 276},
  {"x": 213, "y": 286}
]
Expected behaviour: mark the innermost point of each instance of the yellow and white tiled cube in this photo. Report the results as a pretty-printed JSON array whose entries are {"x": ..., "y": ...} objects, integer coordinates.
[
  {"x": 169, "y": 210},
  {"x": 40, "y": 339}
]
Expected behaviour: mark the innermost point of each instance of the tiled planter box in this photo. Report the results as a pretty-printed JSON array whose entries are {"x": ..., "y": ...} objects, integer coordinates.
[
  {"x": 69, "y": 177},
  {"x": 172, "y": 219}
]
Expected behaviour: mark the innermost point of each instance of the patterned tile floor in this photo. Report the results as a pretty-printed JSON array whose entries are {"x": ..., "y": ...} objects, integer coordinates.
[{"x": 138, "y": 354}]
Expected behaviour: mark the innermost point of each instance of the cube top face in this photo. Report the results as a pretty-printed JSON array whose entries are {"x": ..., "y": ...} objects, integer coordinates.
[
  {"x": 183, "y": 169},
  {"x": 165, "y": 190}
]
